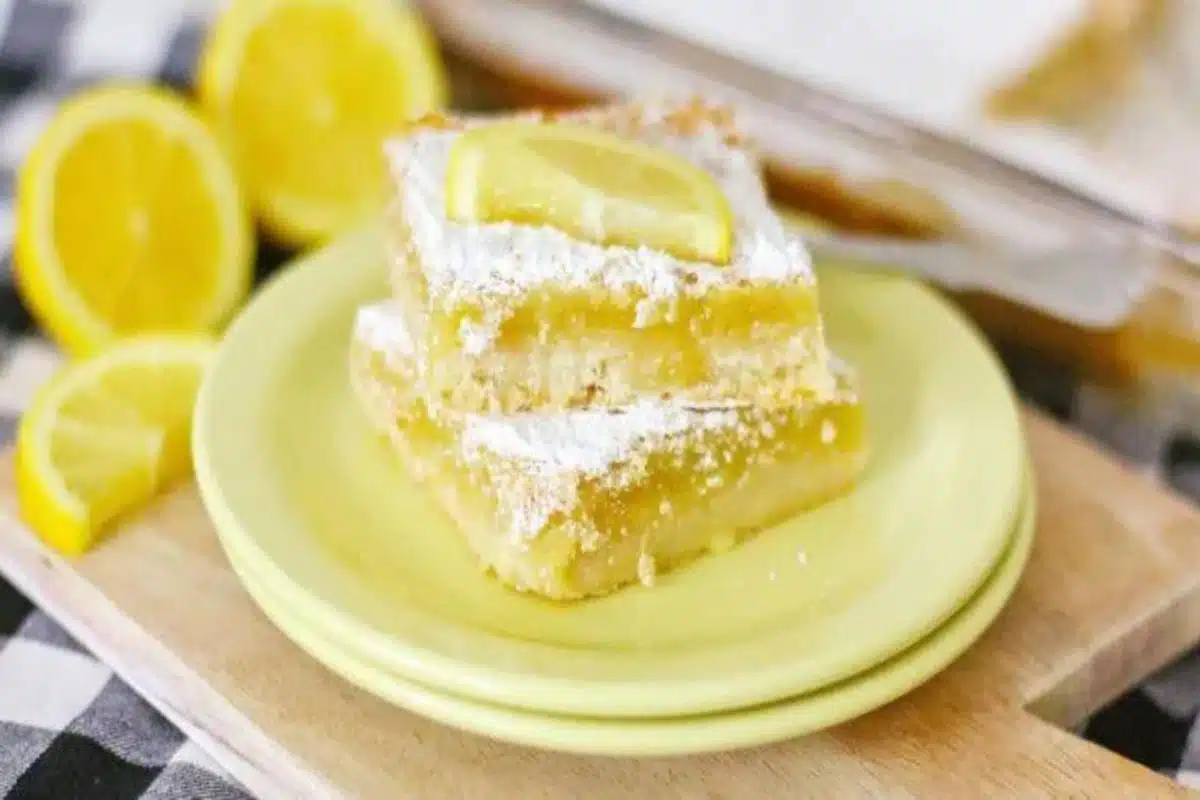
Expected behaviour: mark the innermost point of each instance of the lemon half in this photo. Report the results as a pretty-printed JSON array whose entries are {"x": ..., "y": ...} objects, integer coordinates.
[
  {"x": 305, "y": 92},
  {"x": 129, "y": 219}
]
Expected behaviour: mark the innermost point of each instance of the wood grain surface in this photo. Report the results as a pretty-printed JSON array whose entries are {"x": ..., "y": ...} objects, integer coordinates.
[{"x": 1112, "y": 592}]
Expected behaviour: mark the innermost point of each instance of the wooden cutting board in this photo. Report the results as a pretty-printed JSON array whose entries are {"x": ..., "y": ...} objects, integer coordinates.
[{"x": 1112, "y": 592}]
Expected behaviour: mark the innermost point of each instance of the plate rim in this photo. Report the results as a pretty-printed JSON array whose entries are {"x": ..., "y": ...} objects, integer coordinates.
[{"x": 723, "y": 731}]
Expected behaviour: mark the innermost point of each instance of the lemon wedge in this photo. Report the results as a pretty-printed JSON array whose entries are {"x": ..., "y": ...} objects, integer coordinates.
[
  {"x": 129, "y": 220},
  {"x": 106, "y": 434},
  {"x": 591, "y": 184},
  {"x": 305, "y": 92}
]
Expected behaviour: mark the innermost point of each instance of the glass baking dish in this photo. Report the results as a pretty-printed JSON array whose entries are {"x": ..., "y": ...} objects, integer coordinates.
[{"x": 860, "y": 170}]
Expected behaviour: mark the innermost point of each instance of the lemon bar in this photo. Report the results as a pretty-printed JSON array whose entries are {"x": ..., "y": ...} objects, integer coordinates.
[
  {"x": 526, "y": 316},
  {"x": 570, "y": 504}
]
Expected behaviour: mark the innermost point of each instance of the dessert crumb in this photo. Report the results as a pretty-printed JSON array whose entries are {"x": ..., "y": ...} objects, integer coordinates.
[
  {"x": 828, "y": 431},
  {"x": 801, "y": 557},
  {"x": 771, "y": 576}
]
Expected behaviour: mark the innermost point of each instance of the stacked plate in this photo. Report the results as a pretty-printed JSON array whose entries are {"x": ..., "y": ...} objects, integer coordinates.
[{"x": 812, "y": 622}]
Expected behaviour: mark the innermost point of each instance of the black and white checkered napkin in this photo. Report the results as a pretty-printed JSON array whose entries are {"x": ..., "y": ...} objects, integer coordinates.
[{"x": 69, "y": 728}]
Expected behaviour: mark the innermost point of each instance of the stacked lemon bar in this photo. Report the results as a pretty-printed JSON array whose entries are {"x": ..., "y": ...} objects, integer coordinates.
[{"x": 603, "y": 350}]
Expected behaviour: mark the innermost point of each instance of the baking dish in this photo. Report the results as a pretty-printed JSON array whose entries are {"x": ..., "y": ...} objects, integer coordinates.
[{"x": 859, "y": 169}]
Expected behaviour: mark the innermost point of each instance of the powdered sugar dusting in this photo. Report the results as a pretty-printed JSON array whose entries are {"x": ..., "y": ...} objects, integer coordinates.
[
  {"x": 589, "y": 441},
  {"x": 494, "y": 263},
  {"x": 541, "y": 462},
  {"x": 381, "y": 328}
]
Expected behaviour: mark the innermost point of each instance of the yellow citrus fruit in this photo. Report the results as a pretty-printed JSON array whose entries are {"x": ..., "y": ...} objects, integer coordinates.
[
  {"x": 129, "y": 220},
  {"x": 593, "y": 185},
  {"x": 305, "y": 92},
  {"x": 106, "y": 434}
]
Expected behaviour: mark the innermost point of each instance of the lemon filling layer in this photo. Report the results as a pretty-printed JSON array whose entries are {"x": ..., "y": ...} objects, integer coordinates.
[
  {"x": 507, "y": 287},
  {"x": 610, "y": 366},
  {"x": 578, "y": 503}
]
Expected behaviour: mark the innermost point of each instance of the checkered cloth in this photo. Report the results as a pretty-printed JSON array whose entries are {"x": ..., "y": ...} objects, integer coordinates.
[{"x": 69, "y": 728}]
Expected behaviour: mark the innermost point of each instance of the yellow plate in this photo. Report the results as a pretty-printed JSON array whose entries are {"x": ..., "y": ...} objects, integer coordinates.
[
  {"x": 752, "y": 727},
  {"x": 294, "y": 478}
]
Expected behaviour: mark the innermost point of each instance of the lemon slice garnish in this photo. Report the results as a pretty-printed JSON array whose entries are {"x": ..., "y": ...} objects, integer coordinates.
[
  {"x": 593, "y": 185},
  {"x": 106, "y": 434}
]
